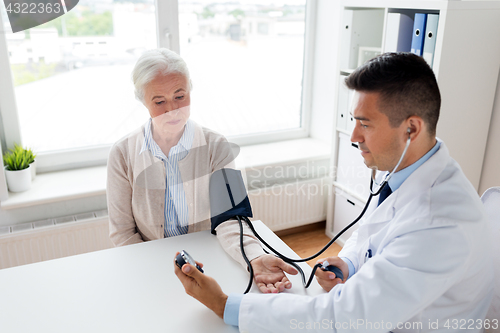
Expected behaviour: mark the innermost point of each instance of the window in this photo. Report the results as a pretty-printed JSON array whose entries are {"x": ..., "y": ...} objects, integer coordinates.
[
  {"x": 72, "y": 89},
  {"x": 76, "y": 90},
  {"x": 245, "y": 82}
]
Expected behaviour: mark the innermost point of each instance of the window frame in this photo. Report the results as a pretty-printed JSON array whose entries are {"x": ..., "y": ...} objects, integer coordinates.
[{"x": 167, "y": 24}]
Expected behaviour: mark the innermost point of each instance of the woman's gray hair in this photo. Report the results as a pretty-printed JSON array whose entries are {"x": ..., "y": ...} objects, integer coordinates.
[{"x": 153, "y": 63}]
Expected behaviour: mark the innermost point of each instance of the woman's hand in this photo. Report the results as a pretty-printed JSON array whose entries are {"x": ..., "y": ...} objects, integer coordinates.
[{"x": 269, "y": 273}]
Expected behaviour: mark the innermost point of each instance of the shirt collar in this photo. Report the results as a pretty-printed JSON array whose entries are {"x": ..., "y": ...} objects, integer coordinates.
[
  {"x": 148, "y": 137},
  {"x": 186, "y": 140},
  {"x": 187, "y": 137},
  {"x": 399, "y": 177}
]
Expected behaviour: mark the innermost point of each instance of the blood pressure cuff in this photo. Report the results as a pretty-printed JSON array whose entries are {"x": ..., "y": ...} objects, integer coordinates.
[{"x": 228, "y": 197}]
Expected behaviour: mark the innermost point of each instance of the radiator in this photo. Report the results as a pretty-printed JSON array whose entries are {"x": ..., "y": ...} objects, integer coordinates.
[
  {"x": 290, "y": 205},
  {"x": 55, "y": 238}
]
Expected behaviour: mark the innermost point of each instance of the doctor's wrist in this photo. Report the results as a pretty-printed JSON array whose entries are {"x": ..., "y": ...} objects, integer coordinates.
[{"x": 220, "y": 305}]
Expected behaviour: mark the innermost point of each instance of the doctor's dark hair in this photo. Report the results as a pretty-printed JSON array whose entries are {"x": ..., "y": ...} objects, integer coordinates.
[{"x": 407, "y": 87}]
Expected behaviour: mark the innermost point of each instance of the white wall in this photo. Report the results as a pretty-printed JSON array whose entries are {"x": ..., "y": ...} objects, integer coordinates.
[
  {"x": 324, "y": 77},
  {"x": 490, "y": 175}
]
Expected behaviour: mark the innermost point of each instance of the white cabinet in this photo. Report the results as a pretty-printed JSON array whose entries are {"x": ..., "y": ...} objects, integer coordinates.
[
  {"x": 346, "y": 209},
  {"x": 466, "y": 63}
]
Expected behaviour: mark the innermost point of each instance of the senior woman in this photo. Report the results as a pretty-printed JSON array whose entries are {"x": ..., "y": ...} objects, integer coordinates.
[{"x": 158, "y": 175}]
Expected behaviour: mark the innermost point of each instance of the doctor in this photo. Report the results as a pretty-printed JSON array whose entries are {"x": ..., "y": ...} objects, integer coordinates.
[{"x": 420, "y": 260}]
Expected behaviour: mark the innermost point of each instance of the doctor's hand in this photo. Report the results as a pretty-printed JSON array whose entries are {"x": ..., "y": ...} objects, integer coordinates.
[
  {"x": 327, "y": 279},
  {"x": 269, "y": 273},
  {"x": 202, "y": 287}
]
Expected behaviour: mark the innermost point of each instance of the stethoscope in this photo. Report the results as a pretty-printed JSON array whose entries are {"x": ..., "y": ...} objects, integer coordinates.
[
  {"x": 389, "y": 175},
  {"x": 294, "y": 262}
]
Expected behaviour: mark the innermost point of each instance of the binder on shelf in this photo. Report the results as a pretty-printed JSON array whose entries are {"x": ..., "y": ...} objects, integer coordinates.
[
  {"x": 417, "y": 41},
  {"x": 398, "y": 33},
  {"x": 346, "y": 39},
  {"x": 360, "y": 28},
  {"x": 342, "y": 104},
  {"x": 430, "y": 37}
]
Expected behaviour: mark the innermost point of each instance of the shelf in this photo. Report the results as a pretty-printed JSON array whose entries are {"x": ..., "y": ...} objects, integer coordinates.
[{"x": 465, "y": 63}]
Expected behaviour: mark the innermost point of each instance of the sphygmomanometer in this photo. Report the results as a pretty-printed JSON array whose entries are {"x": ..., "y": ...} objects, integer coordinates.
[
  {"x": 229, "y": 200},
  {"x": 184, "y": 258}
]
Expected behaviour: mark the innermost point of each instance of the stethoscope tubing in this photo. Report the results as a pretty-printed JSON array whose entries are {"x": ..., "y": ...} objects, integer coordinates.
[
  {"x": 387, "y": 177},
  {"x": 294, "y": 262}
]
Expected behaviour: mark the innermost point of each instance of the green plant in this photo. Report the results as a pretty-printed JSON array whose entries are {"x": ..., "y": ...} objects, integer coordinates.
[
  {"x": 31, "y": 155},
  {"x": 18, "y": 158}
]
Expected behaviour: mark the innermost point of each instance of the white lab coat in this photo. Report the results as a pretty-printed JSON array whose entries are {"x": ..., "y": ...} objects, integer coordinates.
[{"x": 431, "y": 262}]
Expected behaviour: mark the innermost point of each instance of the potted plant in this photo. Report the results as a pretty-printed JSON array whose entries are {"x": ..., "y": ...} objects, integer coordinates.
[
  {"x": 17, "y": 169},
  {"x": 32, "y": 162}
]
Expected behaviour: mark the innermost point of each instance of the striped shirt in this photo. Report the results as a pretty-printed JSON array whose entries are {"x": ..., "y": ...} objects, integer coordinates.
[{"x": 176, "y": 208}]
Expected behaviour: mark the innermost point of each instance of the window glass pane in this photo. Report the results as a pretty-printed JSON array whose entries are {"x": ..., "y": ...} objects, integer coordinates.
[
  {"x": 246, "y": 63},
  {"x": 72, "y": 75}
]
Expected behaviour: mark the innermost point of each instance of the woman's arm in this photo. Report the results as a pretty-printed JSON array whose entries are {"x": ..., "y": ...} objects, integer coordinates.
[
  {"x": 122, "y": 227},
  {"x": 269, "y": 271},
  {"x": 228, "y": 233}
]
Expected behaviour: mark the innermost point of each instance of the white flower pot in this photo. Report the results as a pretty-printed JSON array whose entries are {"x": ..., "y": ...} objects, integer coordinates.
[
  {"x": 19, "y": 180},
  {"x": 33, "y": 169}
]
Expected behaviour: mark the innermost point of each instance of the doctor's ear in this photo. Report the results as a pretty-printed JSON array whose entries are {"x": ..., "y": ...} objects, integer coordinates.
[
  {"x": 414, "y": 126},
  {"x": 410, "y": 130}
]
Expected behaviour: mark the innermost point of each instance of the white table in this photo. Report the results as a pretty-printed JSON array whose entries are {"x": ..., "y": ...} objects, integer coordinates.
[{"x": 127, "y": 289}]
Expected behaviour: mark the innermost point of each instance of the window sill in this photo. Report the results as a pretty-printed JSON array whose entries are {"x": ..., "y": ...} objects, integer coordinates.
[
  {"x": 282, "y": 153},
  {"x": 80, "y": 183},
  {"x": 59, "y": 186}
]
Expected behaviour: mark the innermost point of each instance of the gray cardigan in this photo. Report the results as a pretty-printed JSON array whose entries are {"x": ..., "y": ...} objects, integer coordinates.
[{"x": 136, "y": 191}]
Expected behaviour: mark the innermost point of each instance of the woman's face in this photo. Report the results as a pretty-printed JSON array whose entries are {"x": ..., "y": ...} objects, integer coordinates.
[{"x": 167, "y": 99}]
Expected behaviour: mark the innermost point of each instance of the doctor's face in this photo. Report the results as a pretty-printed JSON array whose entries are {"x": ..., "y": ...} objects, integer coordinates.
[{"x": 381, "y": 145}]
